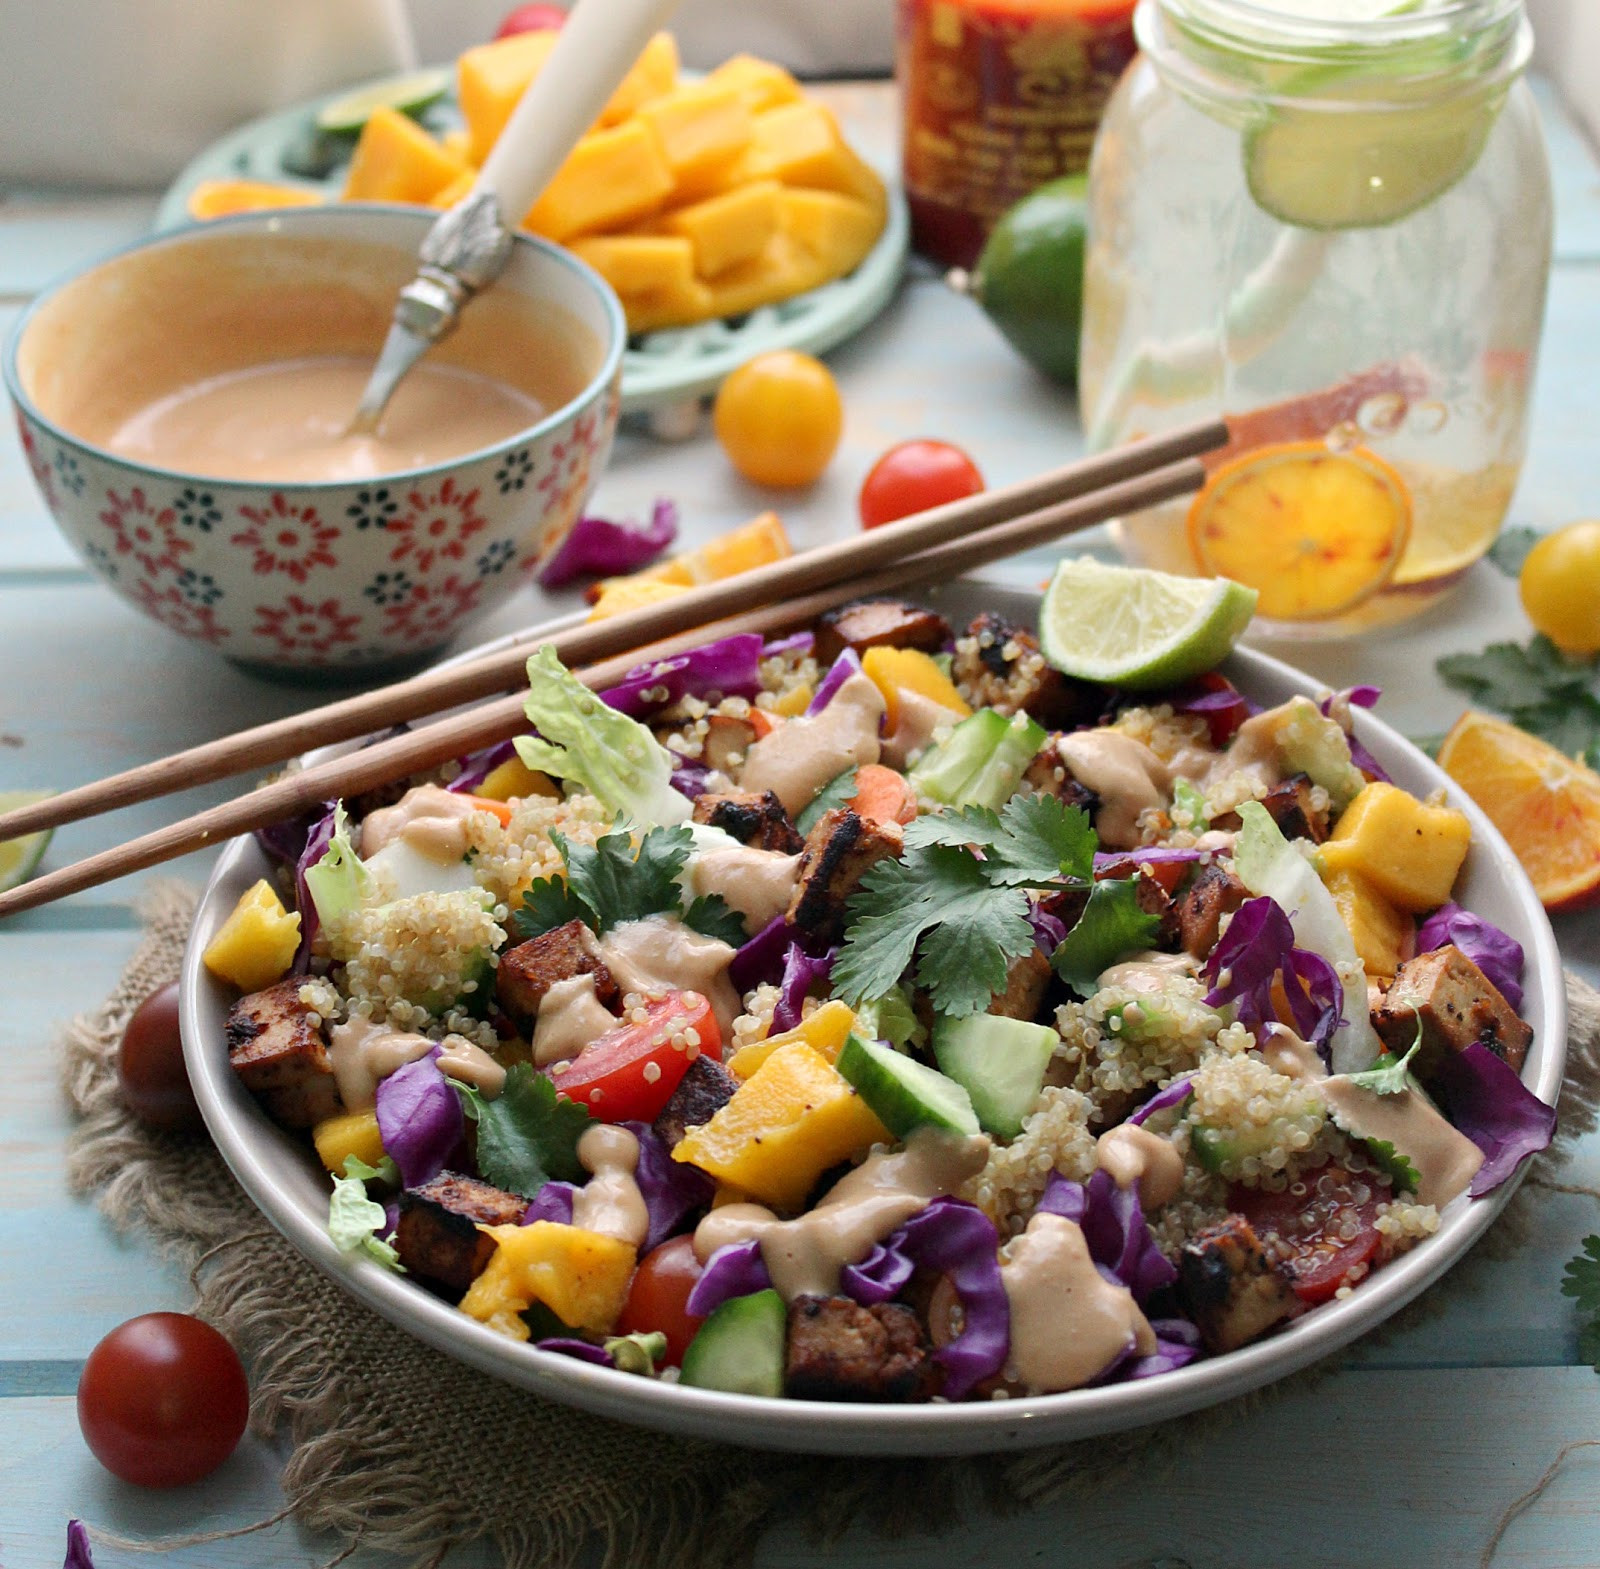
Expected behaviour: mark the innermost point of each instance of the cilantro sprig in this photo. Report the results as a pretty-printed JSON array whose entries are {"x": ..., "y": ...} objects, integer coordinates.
[
  {"x": 1536, "y": 686},
  {"x": 954, "y": 909},
  {"x": 527, "y": 1135},
  {"x": 615, "y": 880},
  {"x": 1581, "y": 1282}
]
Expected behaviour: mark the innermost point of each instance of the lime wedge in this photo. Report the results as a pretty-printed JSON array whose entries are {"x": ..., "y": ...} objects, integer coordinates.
[
  {"x": 1130, "y": 626},
  {"x": 19, "y": 858},
  {"x": 408, "y": 94}
]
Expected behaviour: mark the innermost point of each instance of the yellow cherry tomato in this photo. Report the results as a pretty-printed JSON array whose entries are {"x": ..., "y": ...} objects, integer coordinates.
[
  {"x": 779, "y": 418},
  {"x": 1560, "y": 587}
]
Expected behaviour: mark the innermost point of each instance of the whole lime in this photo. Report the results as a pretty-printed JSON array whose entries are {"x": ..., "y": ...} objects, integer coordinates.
[{"x": 1029, "y": 279}]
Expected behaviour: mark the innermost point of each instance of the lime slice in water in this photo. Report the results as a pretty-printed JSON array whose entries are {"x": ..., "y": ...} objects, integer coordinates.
[
  {"x": 1130, "y": 626},
  {"x": 408, "y": 94},
  {"x": 19, "y": 858}
]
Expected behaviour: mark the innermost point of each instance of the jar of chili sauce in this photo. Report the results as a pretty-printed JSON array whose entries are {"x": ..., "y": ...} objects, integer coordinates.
[{"x": 999, "y": 96}]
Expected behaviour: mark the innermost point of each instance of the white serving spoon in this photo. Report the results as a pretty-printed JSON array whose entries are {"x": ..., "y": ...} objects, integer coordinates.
[{"x": 470, "y": 244}]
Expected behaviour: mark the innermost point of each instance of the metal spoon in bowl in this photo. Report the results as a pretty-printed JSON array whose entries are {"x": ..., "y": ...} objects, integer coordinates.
[{"x": 469, "y": 245}]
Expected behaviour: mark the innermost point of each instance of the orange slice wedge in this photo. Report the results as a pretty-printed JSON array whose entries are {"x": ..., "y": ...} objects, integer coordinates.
[
  {"x": 1313, "y": 531},
  {"x": 754, "y": 544},
  {"x": 219, "y": 198},
  {"x": 1546, "y": 805}
]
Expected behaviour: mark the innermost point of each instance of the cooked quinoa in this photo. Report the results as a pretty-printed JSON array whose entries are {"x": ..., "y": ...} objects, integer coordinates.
[
  {"x": 1262, "y": 1126},
  {"x": 410, "y": 956},
  {"x": 1055, "y": 1137}
]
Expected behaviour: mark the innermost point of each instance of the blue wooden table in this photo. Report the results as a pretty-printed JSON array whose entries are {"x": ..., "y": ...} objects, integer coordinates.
[{"x": 1408, "y": 1457}]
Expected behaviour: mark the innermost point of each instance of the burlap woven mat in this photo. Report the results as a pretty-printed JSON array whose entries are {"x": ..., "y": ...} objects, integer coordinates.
[{"x": 394, "y": 1446}]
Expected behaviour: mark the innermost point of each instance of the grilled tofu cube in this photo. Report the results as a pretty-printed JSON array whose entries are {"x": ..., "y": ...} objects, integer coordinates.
[
  {"x": 754, "y": 817},
  {"x": 437, "y": 1237},
  {"x": 701, "y": 1093},
  {"x": 879, "y": 623},
  {"x": 838, "y": 1350},
  {"x": 1199, "y": 909},
  {"x": 999, "y": 665},
  {"x": 1233, "y": 1292},
  {"x": 529, "y": 970},
  {"x": 280, "y": 1055},
  {"x": 839, "y": 850},
  {"x": 1290, "y": 806},
  {"x": 1456, "y": 1004},
  {"x": 1027, "y": 980}
]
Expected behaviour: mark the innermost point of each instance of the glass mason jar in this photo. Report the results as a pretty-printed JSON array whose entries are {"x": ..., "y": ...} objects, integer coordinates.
[{"x": 1335, "y": 233}]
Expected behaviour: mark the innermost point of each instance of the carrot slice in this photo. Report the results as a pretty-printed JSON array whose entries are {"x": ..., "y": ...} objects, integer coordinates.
[
  {"x": 1315, "y": 532},
  {"x": 882, "y": 795},
  {"x": 501, "y": 810}
]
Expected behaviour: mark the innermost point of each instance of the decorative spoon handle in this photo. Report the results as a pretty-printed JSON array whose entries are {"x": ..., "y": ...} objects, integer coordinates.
[{"x": 469, "y": 245}]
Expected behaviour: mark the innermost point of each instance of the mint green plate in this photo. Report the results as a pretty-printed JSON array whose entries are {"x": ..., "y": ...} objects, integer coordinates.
[{"x": 658, "y": 368}]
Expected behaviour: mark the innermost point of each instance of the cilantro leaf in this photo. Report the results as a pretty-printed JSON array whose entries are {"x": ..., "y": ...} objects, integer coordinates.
[
  {"x": 1032, "y": 839},
  {"x": 1388, "y": 1075},
  {"x": 1571, "y": 724},
  {"x": 1510, "y": 550},
  {"x": 1111, "y": 927},
  {"x": 712, "y": 916},
  {"x": 548, "y": 903},
  {"x": 836, "y": 792},
  {"x": 622, "y": 884},
  {"x": 1508, "y": 676},
  {"x": 1398, "y": 1168},
  {"x": 527, "y": 1135},
  {"x": 1581, "y": 1282}
]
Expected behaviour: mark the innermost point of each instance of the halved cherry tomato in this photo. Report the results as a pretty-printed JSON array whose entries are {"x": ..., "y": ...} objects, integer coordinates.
[
  {"x": 659, "y": 1296},
  {"x": 629, "y": 1073},
  {"x": 163, "y": 1400},
  {"x": 1311, "y": 1225},
  {"x": 914, "y": 476},
  {"x": 532, "y": 19}
]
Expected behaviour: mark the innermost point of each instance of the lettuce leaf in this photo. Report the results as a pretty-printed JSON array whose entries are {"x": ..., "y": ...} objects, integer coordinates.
[
  {"x": 615, "y": 758},
  {"x": 1266, "y": 863},
  {"x": 354, "y": 1220},
  {"x": 339, "y": 882},
  {"x": 1315, "y": 745}
]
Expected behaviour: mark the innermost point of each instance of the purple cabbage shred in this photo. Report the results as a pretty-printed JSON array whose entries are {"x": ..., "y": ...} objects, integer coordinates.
[
  {"x": 1177, "y": 1345},
  {"x": 798, "y": 644},
  {"x": 1486, "y": 1100},
  {"x": 1257, "y": 947},
  {"x": 1175, "y": 1094},
  {"x": 570, "y": 1346},
  {"x": 737, "y": 1270},
  {"x": 419, "y": 1119},
  {"x": 78, "y": 1554},
  {"x": 672, "y": 1189},
  {"x": 1114, "y": 1226},
  {"x": 729, "y": 667},
  {"x": 479, "y": 765},
  {"x": 597, "y": 547},
  {"x": 800, "y": 973},
  {"x": 552, "y": 1202},
  {"x": 846, "y": 665},
  {"x": 1498, "y": 954},
  {"x": 951, "y": 1238},
  {"x": 318, "y": 837},
  {"x": 760, "y": 959}
]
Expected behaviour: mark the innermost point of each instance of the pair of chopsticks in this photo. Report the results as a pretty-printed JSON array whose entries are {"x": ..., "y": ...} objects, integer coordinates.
[{"x": 936, "y": 545}]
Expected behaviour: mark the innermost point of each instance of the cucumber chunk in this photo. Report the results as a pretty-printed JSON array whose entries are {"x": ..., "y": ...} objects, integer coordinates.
[
  {"x": 999, "y": 1062},
  {"x": 740, "y": 1347},
  {"x": 982, "y": 761},
  {"x": 902, "y": 1092}
]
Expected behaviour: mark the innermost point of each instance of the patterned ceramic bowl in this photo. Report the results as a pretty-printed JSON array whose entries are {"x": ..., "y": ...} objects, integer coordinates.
[{"x": 331, "y": 576}]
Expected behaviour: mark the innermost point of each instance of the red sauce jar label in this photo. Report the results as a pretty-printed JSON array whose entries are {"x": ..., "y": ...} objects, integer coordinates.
[{"x": 998, "y": 97}]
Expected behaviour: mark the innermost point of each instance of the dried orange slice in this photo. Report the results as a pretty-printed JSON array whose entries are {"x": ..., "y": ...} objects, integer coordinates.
[
  {"x": 219, "y": 198},
  {"x": 1546, "y": 805},
  {"x": 1313, "y": 531}
]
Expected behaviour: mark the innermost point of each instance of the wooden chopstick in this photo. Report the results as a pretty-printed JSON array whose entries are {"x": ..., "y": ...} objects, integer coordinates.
[
  {"x": 579, "y": 642},
  {"x": 503, "y": 717}
]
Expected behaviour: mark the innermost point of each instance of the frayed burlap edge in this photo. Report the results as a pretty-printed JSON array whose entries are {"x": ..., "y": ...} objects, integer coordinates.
[{"x": 398, "y": 1448}]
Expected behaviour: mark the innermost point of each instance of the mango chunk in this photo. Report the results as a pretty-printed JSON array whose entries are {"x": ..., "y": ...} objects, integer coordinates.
[
  {"x": 257, "y": 942},
  {"x": 801, "y": 144},
  {"x": 350, "y": 1133},
  {"x": 897, "y": 670},
  {"x": 780, "y": 270},
  {"x": 397, "y": 161},
  {"x": 652, "y": 75},
  {"x": 731, "y": 228},
  {"x": 699, "y": 126},
  {"x": 792, "y": 1119},
  {"x": 825, "y": 1030},
  {"x": 760, "y": 83},
  {"x": 609, "y": 179},
  {"x": 450, "y": 194},
  {"x": 640, "y": 264},
  {"x": 1410, "y": 852},
  {"x": 489, "y": 81},
  {"x": 581, "y": 1276},
  {"x": 1378, "y": 930},
  {"x": 837, "y": 230},
  {"x": 513, "y": 780}
]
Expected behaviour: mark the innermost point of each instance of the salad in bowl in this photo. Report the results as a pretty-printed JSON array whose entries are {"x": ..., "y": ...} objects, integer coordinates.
[{"x": 878, "y": 1037}]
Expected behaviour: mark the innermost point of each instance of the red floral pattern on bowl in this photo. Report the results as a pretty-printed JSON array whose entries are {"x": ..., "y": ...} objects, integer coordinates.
[{"x": 343, "y": 575}]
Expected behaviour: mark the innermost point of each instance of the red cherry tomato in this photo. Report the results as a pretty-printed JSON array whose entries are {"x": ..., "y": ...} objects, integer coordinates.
[
  {"x": 629, "y": 1073},
  {"x": 659, "y": 1296},
  {"x": 1310, "y": 1226},
  {"x": 150, "y": 1067},
  {"x": 532, "y": 19},
  {"x": 163, "y": 1400},
  {"x": 914, "y": 476}
]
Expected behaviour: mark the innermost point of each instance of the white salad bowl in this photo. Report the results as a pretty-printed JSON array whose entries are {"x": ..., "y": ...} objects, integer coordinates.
[{"x": 282, "y": 1176}]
